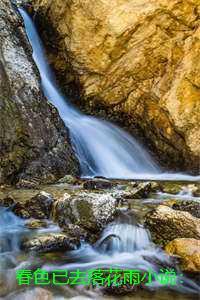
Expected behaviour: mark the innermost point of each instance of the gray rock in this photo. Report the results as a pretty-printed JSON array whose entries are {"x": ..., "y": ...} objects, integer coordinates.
[
  {"x": 34, "y": 142},
  {"x": 50, "y": 243},
  {"x": 38, "y": 207},
  {"x": 90, "y": 211}
]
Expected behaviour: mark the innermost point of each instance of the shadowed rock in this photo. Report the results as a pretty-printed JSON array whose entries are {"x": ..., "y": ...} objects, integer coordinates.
[{"x": 34, "y": 142}]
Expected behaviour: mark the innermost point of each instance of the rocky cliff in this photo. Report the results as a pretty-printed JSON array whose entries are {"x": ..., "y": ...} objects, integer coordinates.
[
  {"x": 135, "y": 62},
  {"x": 33, "y": 140}
]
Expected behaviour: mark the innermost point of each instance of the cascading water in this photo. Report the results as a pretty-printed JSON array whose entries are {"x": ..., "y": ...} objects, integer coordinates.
[
  {"x": 125, "y": 244},
  {"x": 124, "y": 235},
  {"x": 11, "y": 231},
  {"x": 102, "y": 148}
]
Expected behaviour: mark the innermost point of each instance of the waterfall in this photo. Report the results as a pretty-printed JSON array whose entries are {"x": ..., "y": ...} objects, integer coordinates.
[
  {"x": 124, "y": 235},
  {"x": 102, "y": 148}
]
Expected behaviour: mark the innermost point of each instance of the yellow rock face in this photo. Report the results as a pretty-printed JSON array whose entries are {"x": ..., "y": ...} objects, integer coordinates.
[
  {"x": 189, "y": 252},
  {"x": 139, "y": 60}
]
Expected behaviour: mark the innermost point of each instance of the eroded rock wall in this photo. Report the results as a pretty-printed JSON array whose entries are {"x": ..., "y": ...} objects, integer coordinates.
[{"x": 135, "y": 62}]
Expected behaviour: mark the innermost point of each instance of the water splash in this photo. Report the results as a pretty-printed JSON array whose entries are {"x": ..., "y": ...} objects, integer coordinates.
[
  {"x": 11, "y": 232},
  {"x": 124, "y": 235},
  {"x": 125, "y": 245}
]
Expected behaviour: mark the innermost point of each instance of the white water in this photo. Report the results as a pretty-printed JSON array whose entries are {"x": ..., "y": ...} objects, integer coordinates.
[
  {"x": 11, "y": 231},
  {"x": 125, "y": 245},
  {"x": 102, "y": 148}
]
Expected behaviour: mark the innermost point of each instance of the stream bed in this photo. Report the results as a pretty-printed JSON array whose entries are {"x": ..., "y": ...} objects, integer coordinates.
[{"x": 124, "y": 244}]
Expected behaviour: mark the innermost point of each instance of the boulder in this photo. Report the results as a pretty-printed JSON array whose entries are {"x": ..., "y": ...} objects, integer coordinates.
[
  {"x": 193, "y": 207},
  {"x": 34, "y": 143},
  {"x": 50, "y": 243},
  {"x": 37, "y": 207},
  {"x": 167, "y": 224},
  {"x": 136, "y": 190},
  {"x": 40, "y": 206},
  {"x": 135, "y": 62},
  {"x": 189, "y": 252},
  {"x": 90, "y": 211}
]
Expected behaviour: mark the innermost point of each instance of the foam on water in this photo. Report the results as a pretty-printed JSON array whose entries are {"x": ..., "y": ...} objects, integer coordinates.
[{"x": 125, "y": 246}]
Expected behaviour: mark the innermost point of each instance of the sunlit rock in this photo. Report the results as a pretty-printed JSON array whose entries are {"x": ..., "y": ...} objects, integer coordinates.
[
  {"x": 189, "y": 252},
  {"x": 167, "y": 224},
  {"x": 135, "y": 62}
]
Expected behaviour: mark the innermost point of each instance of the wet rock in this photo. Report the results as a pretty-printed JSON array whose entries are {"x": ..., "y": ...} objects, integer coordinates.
[
  {"x": 136, "y": 191},
  {"x": 167, "y": 224},
  {"x": 171, "y": 188},
  {"x": 192, "y": 207},
  {"x": 50, "y": 243},
  {"x": 40, "y": 206},
  {"x": 27, "y": 184},
  {"x": 143, "y": 189},
  {"x": 8, "y": 201},
  {"x": 90, "y": 211},
  {"x": 21, "y": 211},
  {"x": 68, "y": 179},
  {"x": 178, "y": 188},
  {"x": 36, "y": 224},
  {"x": 34, "y": 143},
  {"x": 78, "y": 232},
  {"x": 137, "y": 64},
  {"x": 196, "y": 193},
  {"x": 121, "y": 290},
  {"x": 99, "y": 184},
  {"x": 189, "y": 252}
]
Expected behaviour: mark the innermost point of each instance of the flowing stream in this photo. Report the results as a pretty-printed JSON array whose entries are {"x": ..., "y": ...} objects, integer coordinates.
[
  {"x": 124, "y": 244},
  {"x": 102, "y": 148}
]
